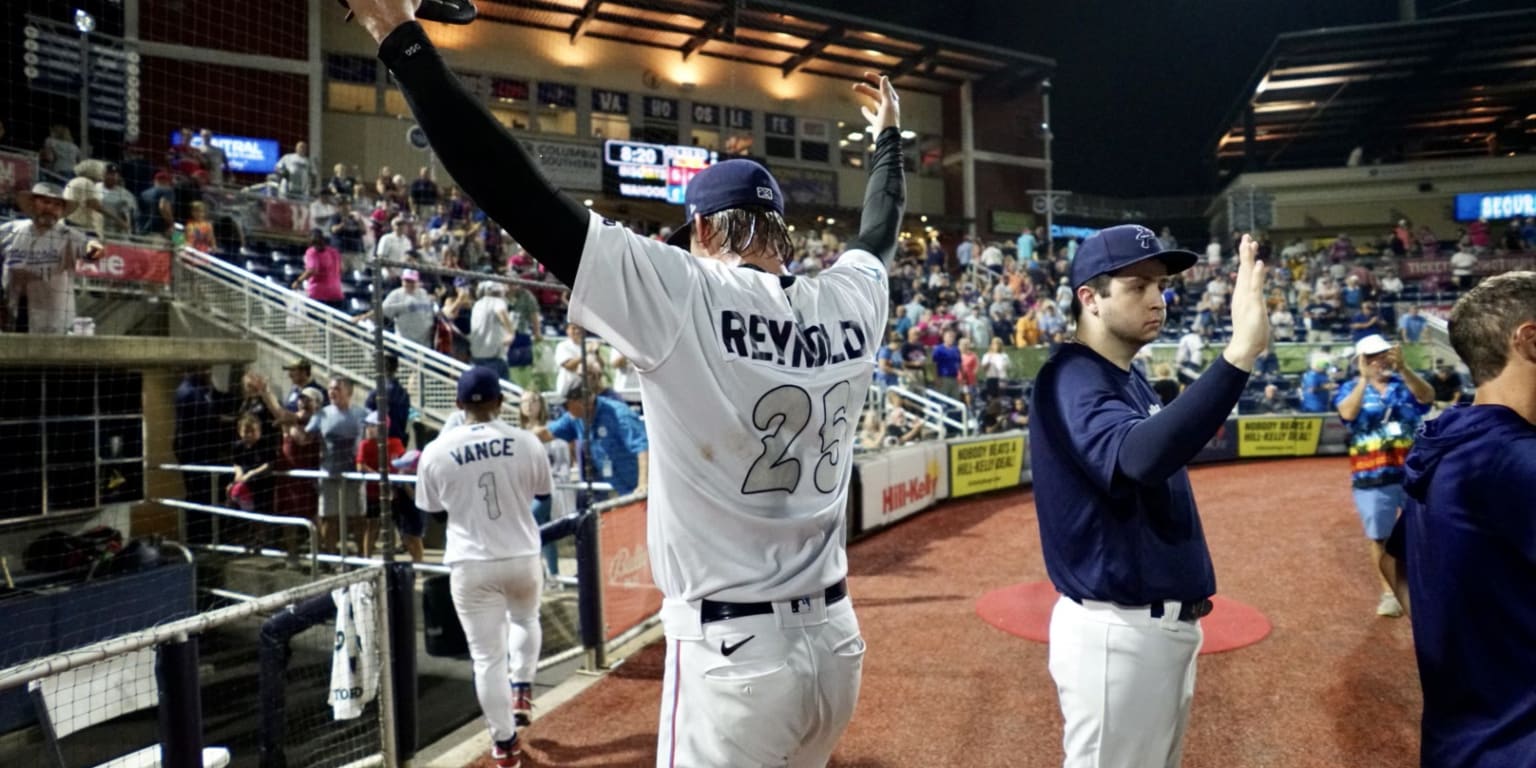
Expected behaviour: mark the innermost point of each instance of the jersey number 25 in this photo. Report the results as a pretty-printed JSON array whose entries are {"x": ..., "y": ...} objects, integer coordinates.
[{"x": 786, "y": 411}]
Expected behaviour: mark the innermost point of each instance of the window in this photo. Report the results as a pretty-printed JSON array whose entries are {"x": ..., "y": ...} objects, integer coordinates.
[
  {"x": 610, "y": 126},
  {"x": 395, "y": 104},
  {"x": 509, "y": 103},
  {"x": 557, "y": 108},
  {"x": 777, "y": 146},
  {"x": 705, "y": 137},
  {"x": 351, "y": 97},
  {"x": 351, "y": 83},
  {"x": 657, "y": 133},
  {"x": 513, "y": 119},
  {"x": 815, "y": 151}
]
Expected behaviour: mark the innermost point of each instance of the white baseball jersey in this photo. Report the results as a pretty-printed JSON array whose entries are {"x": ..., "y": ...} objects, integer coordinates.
[
  {"x": 752, "y": 386},
  {"x": 485, "y": 476}
]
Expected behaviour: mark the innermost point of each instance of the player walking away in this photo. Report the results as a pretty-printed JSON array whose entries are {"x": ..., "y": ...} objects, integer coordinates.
[
  {"x": 758, "y": 373},
  {"x": 1118, "y": 526},
  {"x": 487, "y": 476},
  {"x": 1468, "y": 540},
  {"x": 1382, "y": 408},
  {"x": 40, "y": 253}
]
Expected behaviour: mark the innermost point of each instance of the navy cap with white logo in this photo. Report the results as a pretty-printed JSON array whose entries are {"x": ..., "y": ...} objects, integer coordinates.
[
  {"x": 736, "y": 183},
  {"x": 1115, "y": 248},
  {"x": 479, "y": 385}
]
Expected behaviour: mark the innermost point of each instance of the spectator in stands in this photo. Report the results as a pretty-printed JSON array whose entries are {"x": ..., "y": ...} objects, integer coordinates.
[
  {"x": 297, "y": 496},
  {"x": 348, "y": 232},
  {"x": 1528, "y": 233},
  {"x": 1447, "y": 385},
  {"x": 1164, "y": 383},
  {"x": 65, "y": 152},
  {"x": 1366, "y": 322},
  {"x": 258, "y": 402},
  {"x": 83, "y": 191},
  {"x": 1026, "y": 330},
  {"x": 1463, "y": 266},
  {"x": 527, "y": 325},
  {"x": 1189, "y": 360},
  {"x": 302, "y": 379},
  {"x": 887, "y": 362},
  {"x": 1053, "y": 326},
  {"x": 970, "y": 366},
  {"x": 412, "y": 310},
  {"x": 1513, "y": 241},
  {"x": 40, "y": 254},
  {"x": 901, "y": 427},
  {"x": 340, "y": 426},
  {"x": 212, "y": 158},
  {"x": 914, "y": 360},
  {"x": 199, "y": 229},
  {"x": 367, "y": 459},
  {"x": 1272, "y": 401},
  {"x": 872, "y": 432},
  {"x": 321, "y": 278},
  {"x": 1410, "y": 325},
  {"x": 1282, "y": 323},
  {"x": 533, "y": 411},
  {"x": 619, "y": 449},
  {"x": 396, "y": 244},
  {"x": 1352, "y": 296},
  {"x": 1478, "y": 236},
  {"x": 397, "y": 403},
  {"x": 323, "y": 211},
  {"x": 458, "y": 311},
  {"x": 1317, "y": 387},
  {"x": 1018, "y": 416},
  {"x": 119, "y": 207},
  {"x": 570, "y": 352},
  {"x": 157, "y": 206},
  {"x": 252, "y": 456},
  {"x": 1026, "y": 247},
  {"x": 946, "y": 366},
  {"x": 296, "y": 172},
  {"x": 341, "y": 184},
  {"x": 1342, "y": 250},
  {"x": 1429, "y": 243},
  {"x": 1382, "y": 409},
  {"x": 384, "y": 184},
  {"x": 490, "y": 328},
  {"x": 994, "y": 366},
  {"x": 423, "y": 192},
  {"x": 1388, "y": 284},
  {"x": 1213, "y": 251}
]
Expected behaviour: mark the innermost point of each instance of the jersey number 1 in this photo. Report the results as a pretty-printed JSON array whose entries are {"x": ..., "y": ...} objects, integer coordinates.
[
  {"x": 786, "y": 411},
  {"x": 492, "y": 505}
]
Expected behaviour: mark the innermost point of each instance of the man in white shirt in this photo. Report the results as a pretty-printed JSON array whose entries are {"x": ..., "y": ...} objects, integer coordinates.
[
  {"x": 1462, "y": 264},
  {"x": 296, "y": 172},
  {"x": 40, "y": 254},
  {"x": 1189, "y": 361},
  {"x": 569, "y": 354},
  {"x": 411, "y": 309},
  {"x": 119, "y": 207},
  {"x": 214, "y": 159},
  {"x": 395, "y": 245},
  {"x": 491, "y": 328},
  {"x": 487, "y": 477}
]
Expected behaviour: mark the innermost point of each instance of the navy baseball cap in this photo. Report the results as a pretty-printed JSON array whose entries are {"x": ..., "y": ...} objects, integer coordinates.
[
  {"x": 1115, "y": 248},
  {"x": 736, "y": 183},
  {"x": 479, "y": 385}
]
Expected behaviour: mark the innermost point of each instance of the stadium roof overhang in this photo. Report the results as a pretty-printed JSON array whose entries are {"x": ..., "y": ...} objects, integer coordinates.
[
  {"x": 1437, "y": 88},
  {"x": 789, "y": 37}
]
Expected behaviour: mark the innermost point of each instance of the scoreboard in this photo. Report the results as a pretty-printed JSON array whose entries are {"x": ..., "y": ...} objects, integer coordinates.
[{"x": 652, "y": 171}]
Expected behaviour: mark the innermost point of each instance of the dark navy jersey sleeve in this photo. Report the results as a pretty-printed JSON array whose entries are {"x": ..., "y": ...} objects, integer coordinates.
[{"x": 1106, "y": 535}]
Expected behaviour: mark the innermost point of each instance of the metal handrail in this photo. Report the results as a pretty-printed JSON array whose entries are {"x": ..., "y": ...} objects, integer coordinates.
[
  {"x": 298, "y": 522},
  {"x": 932, "y": 413},
  {"x": 239, "y": 299},
  {"x": 965, "y": 411}
]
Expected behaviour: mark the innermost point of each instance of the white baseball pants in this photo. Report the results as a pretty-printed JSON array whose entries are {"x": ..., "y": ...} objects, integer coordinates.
[
  {"x": 498, "y": 606},
  {"x": 1125, "y": 681},
  {"x": 782, "y": 696}
]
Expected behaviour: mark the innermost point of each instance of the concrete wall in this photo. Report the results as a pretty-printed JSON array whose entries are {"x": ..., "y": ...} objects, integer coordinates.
[{"x": 1367, "y": 200}]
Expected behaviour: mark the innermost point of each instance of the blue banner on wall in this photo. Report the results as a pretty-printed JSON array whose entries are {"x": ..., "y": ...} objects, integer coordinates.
[{"x": 1496, "y": 205}]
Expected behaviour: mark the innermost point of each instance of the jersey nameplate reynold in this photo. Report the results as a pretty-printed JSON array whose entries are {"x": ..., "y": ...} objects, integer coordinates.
[{"x": 754, "y": 337}]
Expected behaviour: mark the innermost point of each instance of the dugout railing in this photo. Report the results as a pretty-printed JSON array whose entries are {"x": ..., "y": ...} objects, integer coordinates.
[{"x": 249, "y": 305}]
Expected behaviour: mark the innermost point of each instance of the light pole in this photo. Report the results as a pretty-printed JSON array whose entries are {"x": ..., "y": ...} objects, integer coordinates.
[
  {"x": 86, "y": 24},
  {"x": 1050, "y": 198}
]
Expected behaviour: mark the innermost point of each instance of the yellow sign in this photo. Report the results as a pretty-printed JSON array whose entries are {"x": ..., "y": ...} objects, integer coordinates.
[
  {"x": 985, "y": 465},
  {"x": 1264, "y": 436}
]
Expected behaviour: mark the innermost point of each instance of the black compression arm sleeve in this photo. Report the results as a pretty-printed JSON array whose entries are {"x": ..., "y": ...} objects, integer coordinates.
[
  {"x": 1160, "y": 445},
  {"x": 483, "y": 158},
  {"x": 884, "y": 198}
]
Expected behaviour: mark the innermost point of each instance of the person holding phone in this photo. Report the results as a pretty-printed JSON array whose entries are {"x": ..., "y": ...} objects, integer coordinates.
[{"x": 1382, "y": 407}]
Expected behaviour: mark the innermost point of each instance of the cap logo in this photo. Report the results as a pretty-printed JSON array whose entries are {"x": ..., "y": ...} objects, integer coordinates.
[
  {"x": 1146, "y": 238},
  {"x": 765, "y": 193}
]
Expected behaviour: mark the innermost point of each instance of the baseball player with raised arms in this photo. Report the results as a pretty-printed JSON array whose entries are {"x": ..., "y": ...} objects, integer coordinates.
[
  {"x": 487, "y": 476},
  {"x": 752, "y": 381},
  {"x": 1118, "y": 526}
]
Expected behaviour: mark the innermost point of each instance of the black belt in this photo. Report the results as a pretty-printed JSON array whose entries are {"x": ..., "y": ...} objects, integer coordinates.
[
  {"x": 1188, "y": 611},
  {"x": 711, "y": 610}
]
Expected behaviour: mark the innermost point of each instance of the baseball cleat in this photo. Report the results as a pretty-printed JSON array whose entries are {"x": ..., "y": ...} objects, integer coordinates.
[
  {"x": 507, "y": 754},
  {"x": 522, "y": 705},
  {"x": 442, "y": 11}
]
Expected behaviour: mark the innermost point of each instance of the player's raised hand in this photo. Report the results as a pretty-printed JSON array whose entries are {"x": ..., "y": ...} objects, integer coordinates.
[
  {"x": 1250, "y": 318},
  {"x": 380, "y": 17},
  {"x": 885, "y": 110}
]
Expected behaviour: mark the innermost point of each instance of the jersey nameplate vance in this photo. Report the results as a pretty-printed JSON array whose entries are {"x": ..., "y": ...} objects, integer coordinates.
[
  {"x": 750, "y": 336},
  {"x": 485, "y": 449}
]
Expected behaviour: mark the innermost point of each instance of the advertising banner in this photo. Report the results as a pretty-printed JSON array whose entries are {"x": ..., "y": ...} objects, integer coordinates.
[
  {"x": 568, "y": 165},
  {"x": 977, "y": 466},
  {"x": 895, "y": 484},
  {"x": 129, "y": 263},
  {"x": 1416, "y": 268},
  {"x": 629, "y": 595},
  {"x": 1282, "y": 436}
]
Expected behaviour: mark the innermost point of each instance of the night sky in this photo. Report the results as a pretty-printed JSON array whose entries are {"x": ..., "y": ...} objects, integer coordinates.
[{"x": 1143, "y": 85}]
